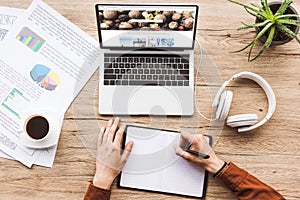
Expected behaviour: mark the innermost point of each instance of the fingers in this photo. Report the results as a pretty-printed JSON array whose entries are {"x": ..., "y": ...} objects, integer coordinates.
[
  {"x": 180, "y": 152},
  {"x": 107, "y": 129},
  {"x": 119, "y": 136},
  {"x": 127, "y": 151},
  {"x": 113, "y": 129},
  {"x": 188, "y": 136},
  {"x": 100, "y": 137}
]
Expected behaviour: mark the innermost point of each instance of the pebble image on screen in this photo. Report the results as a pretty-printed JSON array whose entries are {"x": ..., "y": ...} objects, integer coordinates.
[{"x": 45, "y": 77}]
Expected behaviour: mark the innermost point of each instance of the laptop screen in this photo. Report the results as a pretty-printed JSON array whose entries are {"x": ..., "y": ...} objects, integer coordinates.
[{"x": 146, "y": 26}]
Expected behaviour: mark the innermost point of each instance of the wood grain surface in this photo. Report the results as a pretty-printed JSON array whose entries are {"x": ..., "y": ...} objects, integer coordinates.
[{"x": 271, "y": 152}]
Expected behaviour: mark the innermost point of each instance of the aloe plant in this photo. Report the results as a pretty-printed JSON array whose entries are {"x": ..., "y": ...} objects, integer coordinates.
[{"x": 268, "y": 23}]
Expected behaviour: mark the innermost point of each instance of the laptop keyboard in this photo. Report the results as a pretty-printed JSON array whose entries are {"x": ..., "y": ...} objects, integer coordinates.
[{"x": 147, "y": 70}]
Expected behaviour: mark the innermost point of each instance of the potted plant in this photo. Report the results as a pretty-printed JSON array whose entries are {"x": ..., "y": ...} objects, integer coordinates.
[{"x": 276, "y": 23}]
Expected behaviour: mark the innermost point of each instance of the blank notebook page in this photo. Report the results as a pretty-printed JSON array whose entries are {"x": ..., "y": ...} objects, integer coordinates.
[{"x": 153, "y": 164}]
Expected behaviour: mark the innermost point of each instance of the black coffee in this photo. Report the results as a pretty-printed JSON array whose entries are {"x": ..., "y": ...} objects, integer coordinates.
[{"x": 37, "y": 127}]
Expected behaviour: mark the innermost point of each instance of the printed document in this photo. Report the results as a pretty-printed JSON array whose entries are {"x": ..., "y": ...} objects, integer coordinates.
[{"x": 45, "y": 60}]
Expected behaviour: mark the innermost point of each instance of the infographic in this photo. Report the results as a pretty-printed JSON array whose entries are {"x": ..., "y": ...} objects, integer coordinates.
[{"x": 45, "y": 77}]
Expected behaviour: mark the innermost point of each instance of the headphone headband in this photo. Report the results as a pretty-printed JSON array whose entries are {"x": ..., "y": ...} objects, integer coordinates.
[{"x": 263, "y": 84}]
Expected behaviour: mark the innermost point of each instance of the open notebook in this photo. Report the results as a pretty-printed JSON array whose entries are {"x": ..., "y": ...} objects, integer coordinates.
[{"x": 153, "y": 164}]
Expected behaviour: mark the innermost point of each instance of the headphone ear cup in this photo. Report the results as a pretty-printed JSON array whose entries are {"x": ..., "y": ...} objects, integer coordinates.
[
  {"x": 224, "y": 105},
  {"x": 241, "y": 120}
]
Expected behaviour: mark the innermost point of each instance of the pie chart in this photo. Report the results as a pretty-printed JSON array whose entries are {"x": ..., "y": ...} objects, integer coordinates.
[{"x": 45, "y": 77}]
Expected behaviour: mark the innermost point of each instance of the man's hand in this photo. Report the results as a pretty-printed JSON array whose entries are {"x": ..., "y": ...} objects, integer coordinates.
[{"x": 199, "y": 143}]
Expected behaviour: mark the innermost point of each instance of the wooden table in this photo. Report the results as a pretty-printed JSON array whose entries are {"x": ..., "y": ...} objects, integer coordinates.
[{"x": 271, "y": 152}]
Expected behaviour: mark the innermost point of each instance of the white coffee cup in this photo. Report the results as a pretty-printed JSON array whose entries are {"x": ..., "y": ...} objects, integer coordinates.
[{"x": 40, "y": 128}]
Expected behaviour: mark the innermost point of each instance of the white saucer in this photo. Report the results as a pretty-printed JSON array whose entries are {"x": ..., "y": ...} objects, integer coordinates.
[{"x": 49, "y": 141}]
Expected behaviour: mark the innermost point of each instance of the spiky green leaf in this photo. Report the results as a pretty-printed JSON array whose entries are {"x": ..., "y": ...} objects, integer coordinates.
[
  {"x": 287, "y": 16},
  {"x": 284, "y": 5},
  {"x": 265, "y": 29},
  {"x": 260, "y": 24},
  {"x": 287, "y": 31},
  {"x": 267, "y": 43},
  {"x": 253, "y": 9},
  {"x": 267, "y": 8},
  {"x": 288, "y": 21}
]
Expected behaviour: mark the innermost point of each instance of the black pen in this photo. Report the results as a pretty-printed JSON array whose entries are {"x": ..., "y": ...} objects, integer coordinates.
[{"x": 200, "y": 155}]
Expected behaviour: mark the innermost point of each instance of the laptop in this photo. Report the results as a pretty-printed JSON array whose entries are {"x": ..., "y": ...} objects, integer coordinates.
[{"x": 147, "y": 60}]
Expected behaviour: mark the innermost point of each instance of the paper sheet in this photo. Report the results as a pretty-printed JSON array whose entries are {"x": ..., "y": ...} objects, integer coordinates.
[
  {"x": 8, "y": 17},
  {"x": 45, "y": 60}
]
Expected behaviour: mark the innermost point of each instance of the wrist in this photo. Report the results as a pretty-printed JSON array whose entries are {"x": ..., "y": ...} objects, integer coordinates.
[
  {"x": 215, "y": 165},
  {"x": 103, "y": 181}
]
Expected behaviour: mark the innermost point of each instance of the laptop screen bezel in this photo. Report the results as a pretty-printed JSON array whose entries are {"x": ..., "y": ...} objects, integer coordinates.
[{"x": 147, "y": 48}]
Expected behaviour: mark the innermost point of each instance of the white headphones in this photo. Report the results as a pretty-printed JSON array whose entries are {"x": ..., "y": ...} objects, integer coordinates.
[{"x": 222, "y": 102}]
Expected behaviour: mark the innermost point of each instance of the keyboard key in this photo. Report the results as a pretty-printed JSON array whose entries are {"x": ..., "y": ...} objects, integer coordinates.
[
  {"x": 148, "y": 60},
  {"x": 171, "y": 60},
  {"x": 177, "y": 60},
  {"x": 149, "y": 77},
  {"x": 168, "y": 66},
  {"x": 122, "y": 71},
  {"x": 163, "y": 66},
  {"x": 139, "y": 65},
  {"x": 146, "y": 71},
  {"x": 118, "y": 59},
  {"x": 109, "y": 76},
  {"x": 170, "y": 71},
  {"x": 174, "y": 66},
  {"x": 117, "y": 71},
  {"x": 106, "y": 59},
  {"x": 125, "y": 76},
  {"x": 184, "y": 71},
  {"x": 159, "y": 60},
  {"x": 119, "y": 76},
  {"x": 127, "y": 65},
  {"x": 145, "y": 66},
  {"x": 174, "y": 83},
  {"x": 106, "y": 82},
  {"x": 133, "y": 65},
  {"x": 155, "y": 77},
  {"x": 158, "y": 71},
  {"x": 180, "y": 66},
  {"x": 163, "y": 71},
  {"x": 124, "y": 59},
  {"x": 140, "y": 71},
  {"x": 131, "y": 77},
  {"x": 154, "y": 60},
  {"x": 116, "y": 65},
  {"x": 180, "y": 83},
  {"x": 121, "y": 65},
  {"x": 135, "y": 82},
  {"x": 142, "y": 60},
  {"x": 112, "y": 82},
  {"x": 134, "y": 71},
  {"x": 151, "y": 65},
  {"x": 136, "y": 60},
  {"x": 107, "y": 65},
  {"x": 167, "y": 77},
  {"x": 185, "y": 61},
  {"x": 166, "y": 60},
  {"x": 157, "y": 66},
  {"x": 168, "y": 83},
  {"x": 152, "y": 71},
  {"x": 137, "y": 77},
  {"x": 172, "y": 77},
  {"x": 124, "y": 82},
  {"x": 128, "y": 71},
  {"x": 186, "y": 66},
  {"x": 186, "y": 83},
  {"x": 108, "y": 71},
  {"x": 130, "y": 60},
  {"x": 162, "y": 83},
  {"x": 143, "y": 77},
  {"x": 161, "y": 77}
]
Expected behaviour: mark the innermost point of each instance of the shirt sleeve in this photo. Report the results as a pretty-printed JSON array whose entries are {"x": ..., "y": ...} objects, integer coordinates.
[
  {"x": 95, "y": 193},
  {"x": 245, "y": 186}
]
